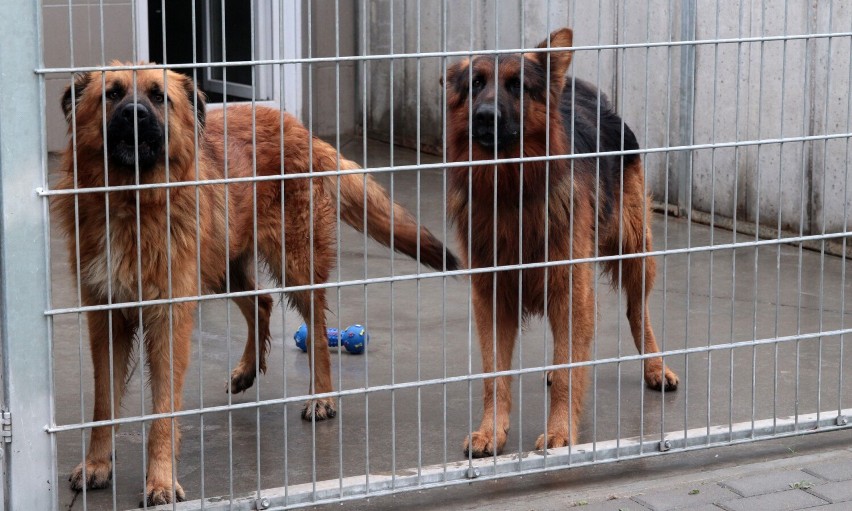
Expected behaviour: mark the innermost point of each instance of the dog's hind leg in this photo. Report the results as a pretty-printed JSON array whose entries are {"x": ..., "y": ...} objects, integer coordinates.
[
  {"x": 256, "y": 310},
  {"x": 637, "y": 277},
  {"x": 102, "y": 340},
  {"x": 299, "y": 260}
]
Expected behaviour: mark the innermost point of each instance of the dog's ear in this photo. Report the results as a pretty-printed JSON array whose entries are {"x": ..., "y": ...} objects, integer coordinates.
[
  {"x": 81, "y": 81},
  {"x": 197, "y": 98},
  {"x": 455, "y": 73},
  {"x": 559, "y": 60},
  {"x": 456, "y": 82}
]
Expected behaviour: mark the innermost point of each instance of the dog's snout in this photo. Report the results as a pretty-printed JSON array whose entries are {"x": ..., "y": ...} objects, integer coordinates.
[
  {"x": 487, "y": 113},
  {"x": 139, "y": 109}
]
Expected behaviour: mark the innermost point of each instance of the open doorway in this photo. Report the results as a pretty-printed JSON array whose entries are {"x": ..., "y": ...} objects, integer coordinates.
[{"x": 203, "y": 31}]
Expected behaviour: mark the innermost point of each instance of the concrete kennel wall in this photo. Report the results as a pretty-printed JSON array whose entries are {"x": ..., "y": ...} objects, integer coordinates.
[{"x": 742, "y": 91}]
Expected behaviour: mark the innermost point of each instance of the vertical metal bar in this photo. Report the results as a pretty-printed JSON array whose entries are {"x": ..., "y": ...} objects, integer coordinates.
[
  {"x": 734, "y": 215},
  {"x": 645, "y": 227},
  {"x": 25, "y": 337},
  {"x": 843, "y": 256},
  {"x": 494, "y": 237},
  {"x": 444, "y": 9},
  {"x": 545, "y": 211},
  {"x": 822, "y": 230},
  {"x": 756, "y": 256},
  {"x": 282, "y": 170},
  {"x": 621, "y": 35},
  {"x": 79, "y": 297},
  {"x": 779, "y": 220},
  {"x": 417, "y": 212},
  {"x": 340, "y": 425},
  {"x": 364, "y": 107},
  {"x": 688, "y": 15},
  {"x": 806, "y": 119},
  {"x": 597, "y": 227},
  {"x": 521, "y": 169},
  {"x": 713, "y": 140},
  {"x": 469, "y": 240},
  {"x": 392, "y": 311},
  {"x": 253, "y": 14},
  {"x": 667, "y": 142},
  {"x": 196, "y": 134}
]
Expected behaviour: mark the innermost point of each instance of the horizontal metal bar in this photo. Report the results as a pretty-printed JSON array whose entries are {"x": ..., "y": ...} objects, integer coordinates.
[
  {"x": 440, "y": 54},
  {"x": 532, "y": 462},
  {"x": 440, "y": 274},
  {"x": 444, "y": 165},
  {"x": 442, "y": 381}
]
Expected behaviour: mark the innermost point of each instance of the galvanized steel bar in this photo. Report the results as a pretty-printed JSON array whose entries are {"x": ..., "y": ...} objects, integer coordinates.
[{"x": 24, "y": 272}]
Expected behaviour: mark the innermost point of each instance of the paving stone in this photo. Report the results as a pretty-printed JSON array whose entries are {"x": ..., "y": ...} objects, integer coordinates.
[
  {"x": 836, "y": 471},
  {"x": 614, "y": 505},
  {"x": 762, "y": 484},
  {"x": 705, "y": 507},
  {"x": 681, "y": 497},
  {"x": 843, "y": 506},
  {"x": 779, "y": 501},
  {"x": 840, "y": 491}
]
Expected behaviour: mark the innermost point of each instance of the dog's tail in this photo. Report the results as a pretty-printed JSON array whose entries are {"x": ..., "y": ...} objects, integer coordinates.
[{"x": 359, "y": 189}]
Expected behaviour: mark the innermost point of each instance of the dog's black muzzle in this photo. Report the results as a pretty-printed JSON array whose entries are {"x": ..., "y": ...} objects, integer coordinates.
[
  {"x": 487, "y": 118},
  {"x": 122, "y": 138}
]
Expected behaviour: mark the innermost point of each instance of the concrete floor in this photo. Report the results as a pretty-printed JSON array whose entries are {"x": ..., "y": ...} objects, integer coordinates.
[{"x": 421, "y": 331}]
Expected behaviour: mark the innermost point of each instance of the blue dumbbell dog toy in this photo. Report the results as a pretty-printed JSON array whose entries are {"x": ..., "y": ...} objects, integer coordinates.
[{"x": 353, "y": 338}]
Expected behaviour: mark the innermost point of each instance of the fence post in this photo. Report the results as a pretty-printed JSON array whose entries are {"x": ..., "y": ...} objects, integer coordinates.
[
  {"x": 686, "y": 108},
  {"x": 29, "y": 457}
]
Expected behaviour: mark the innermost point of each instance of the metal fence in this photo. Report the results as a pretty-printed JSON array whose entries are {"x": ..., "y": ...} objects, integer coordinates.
[{"x": 742, "y": 116}]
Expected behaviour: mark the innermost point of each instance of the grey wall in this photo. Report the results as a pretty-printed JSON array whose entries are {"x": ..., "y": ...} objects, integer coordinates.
[
  {"x": 330, "y": 87},
  {"x": 86, "y": 22},
  {"x": 742, "y": 91}
]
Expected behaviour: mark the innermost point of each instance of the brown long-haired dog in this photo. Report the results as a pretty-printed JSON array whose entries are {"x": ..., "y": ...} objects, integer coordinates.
[
  {"x": 484, "y": 120},
  {"x": 154, "y": 255}
]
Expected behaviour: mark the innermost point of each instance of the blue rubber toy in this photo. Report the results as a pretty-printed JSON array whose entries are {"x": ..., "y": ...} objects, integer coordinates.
[{"x": 353, "y": 338}]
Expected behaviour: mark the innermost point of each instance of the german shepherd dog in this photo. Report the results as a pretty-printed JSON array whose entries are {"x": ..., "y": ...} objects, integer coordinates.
[
  {"x": 156, "y": 126},
  {"x": 484, "y": 98}
]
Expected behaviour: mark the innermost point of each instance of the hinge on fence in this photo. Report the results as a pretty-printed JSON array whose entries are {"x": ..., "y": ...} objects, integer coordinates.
[
  {"x": 665, "y": 445},
  {"x": 6, "y": 426},
  {"x": 262, "y": 503},
  {"x": 842, "y": 420}
]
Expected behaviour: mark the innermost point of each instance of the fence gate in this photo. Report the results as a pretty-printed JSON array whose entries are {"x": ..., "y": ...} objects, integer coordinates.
[{"x": 742, "y": 118}]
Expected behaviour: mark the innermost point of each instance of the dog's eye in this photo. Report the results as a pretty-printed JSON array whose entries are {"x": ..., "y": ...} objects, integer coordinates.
[
  {"x": 514, "y": 85},
  {"x": 477, "y": 83},
  {"x": 113, "y": 94},
  {"x": 158, "y": 98}
]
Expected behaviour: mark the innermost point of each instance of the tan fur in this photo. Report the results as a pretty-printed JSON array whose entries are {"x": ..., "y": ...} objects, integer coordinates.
[
  {"x": 176, "y": 243},
  {"x": 570, "y": 222}
]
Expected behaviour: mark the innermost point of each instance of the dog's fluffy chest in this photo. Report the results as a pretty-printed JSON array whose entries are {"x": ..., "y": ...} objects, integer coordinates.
[{"x": 112, "y": 269}]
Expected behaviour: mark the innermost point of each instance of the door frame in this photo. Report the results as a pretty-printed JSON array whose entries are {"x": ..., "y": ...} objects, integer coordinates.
[{"x": 284, "y": 42}]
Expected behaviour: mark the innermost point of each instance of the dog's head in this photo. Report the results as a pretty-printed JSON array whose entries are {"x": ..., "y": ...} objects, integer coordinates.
[
  {"x": 136, "y": 108},
  {"x": 485, "y": 95}
]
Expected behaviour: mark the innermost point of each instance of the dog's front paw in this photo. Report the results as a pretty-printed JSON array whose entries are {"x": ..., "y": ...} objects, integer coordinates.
[
  {"x": 319, "y": 409},
  {"x": 97, "y": 475},
  {"x": 654, "y": 376},
  {"x": 554, "y": 440},
  {"x": 157, "y": 494},
  {"x": 483, "y": 443}
]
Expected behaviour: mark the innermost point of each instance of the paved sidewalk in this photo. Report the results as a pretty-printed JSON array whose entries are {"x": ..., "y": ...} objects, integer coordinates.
[
  {"x": 820, "y": 481},
  {"x": 784, "y": 474}
]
